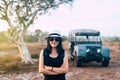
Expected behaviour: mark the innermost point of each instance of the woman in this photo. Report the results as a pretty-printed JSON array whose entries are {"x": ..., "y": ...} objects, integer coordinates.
[{"x": 53, "y": 62}]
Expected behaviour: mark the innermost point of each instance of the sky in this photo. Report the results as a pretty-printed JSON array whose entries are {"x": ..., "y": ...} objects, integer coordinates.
[{"x": 102, "y": 15}]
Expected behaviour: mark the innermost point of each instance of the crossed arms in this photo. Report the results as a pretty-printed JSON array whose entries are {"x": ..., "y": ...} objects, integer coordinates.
[{"x": 53, "y": 70}]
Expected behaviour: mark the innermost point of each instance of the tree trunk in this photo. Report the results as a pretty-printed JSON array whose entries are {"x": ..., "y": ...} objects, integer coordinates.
[{"x": 24, "y": 53}]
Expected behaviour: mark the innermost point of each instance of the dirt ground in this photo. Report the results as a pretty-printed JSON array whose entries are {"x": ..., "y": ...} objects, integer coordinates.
[{"x": 91, "y": 71}]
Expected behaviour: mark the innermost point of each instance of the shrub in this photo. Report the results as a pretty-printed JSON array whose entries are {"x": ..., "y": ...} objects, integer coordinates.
[{"x": 35, "y": 56}]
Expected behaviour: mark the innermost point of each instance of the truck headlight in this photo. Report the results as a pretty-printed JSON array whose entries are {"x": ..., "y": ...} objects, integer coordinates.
[
  {"x": 98, "y": 50},
  {"x": 88, "y": 50}
]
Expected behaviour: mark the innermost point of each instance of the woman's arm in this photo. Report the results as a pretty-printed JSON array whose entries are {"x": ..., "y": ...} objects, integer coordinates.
[
  {"x": 60, "y": 70},
  {"x": 42, "y": 66}
]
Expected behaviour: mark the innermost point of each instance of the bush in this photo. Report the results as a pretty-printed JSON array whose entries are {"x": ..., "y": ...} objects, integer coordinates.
[{"x": 35, "y": 56}]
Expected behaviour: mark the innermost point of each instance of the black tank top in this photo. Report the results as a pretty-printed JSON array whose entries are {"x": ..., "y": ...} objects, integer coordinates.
[{"x": 55, "y": 62}]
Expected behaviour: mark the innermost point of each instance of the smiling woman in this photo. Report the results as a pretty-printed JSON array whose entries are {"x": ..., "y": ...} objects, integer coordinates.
[{"x": 53, "y": 62}]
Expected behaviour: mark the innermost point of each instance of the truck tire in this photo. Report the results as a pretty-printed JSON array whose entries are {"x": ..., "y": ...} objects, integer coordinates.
[
  {"x": 77, "y": 62},
  {"x": 105, "y": 63}
]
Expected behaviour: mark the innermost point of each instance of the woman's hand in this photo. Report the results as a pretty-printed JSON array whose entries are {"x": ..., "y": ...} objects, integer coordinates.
[{"x": 48, "y": 68}]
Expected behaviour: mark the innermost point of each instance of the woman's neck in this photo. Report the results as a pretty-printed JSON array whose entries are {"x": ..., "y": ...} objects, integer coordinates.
[
  {"x": 54, "y": 53},
  {"x": 54, "y": 50}
]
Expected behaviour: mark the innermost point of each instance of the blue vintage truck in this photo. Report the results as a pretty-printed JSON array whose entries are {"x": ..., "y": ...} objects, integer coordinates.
[{"x": 86, "y": 45}]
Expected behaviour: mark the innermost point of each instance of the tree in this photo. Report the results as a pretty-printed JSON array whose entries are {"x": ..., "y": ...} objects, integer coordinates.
[
  {"x": 44, "y": 34},
  {"x": 20, "y": 14},
  {"x": 30, "y": 37},
  {"x": 38, "y": 34}
]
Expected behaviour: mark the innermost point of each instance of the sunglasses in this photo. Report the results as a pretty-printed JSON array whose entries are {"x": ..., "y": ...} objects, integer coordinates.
[{"x": 56, "y": 39}]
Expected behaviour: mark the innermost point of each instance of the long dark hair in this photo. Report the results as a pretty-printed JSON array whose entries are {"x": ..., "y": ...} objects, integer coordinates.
[{"x": 59, "y": 47}]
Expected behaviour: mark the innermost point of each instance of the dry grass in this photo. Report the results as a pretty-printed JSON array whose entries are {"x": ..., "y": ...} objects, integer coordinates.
[
  {"x": 9, "y": 62},
  {"x": 7, "y": 46},
  {"x": 35, "y": 47}
]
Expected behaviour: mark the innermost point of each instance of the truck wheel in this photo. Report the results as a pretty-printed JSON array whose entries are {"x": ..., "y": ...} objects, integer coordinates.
[
  {"x": 77, "y": 62},
  {"x": 105, "y": 63}
]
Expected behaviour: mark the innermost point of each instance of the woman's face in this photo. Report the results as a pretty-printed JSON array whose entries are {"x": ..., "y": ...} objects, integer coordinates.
[{"x": 54, "y": 41}]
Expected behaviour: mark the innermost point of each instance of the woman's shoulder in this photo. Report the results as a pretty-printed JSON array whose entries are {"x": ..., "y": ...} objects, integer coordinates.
[
  {"x": 43, "y": 51},
  {"x": 63, "y": 54}
]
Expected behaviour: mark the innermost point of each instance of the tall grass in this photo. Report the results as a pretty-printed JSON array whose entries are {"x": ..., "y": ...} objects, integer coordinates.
[
  {"x": 7, "y": 46},
  {"x": 9, "y": 62},
  {"x": 5, "y": 43},
  {"x": 3, "y": 38}
]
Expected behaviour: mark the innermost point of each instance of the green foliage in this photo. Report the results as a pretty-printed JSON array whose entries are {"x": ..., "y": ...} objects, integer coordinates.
[
  {"x": 35, "y": 56},
  {"x": 65, "y": 37},
  {"x": 30, "y": 38},
  {"x": 111, "y": 39},
  {"x": 37, "y": 36},
  {"x": 116, "y": 39}
]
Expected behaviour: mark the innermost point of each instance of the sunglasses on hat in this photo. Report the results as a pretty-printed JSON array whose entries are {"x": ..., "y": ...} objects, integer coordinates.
[{"x": 52, "y": 39}]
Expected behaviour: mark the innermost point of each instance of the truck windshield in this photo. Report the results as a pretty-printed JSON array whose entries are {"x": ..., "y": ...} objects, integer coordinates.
[{"x": 88, "y": 39}]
